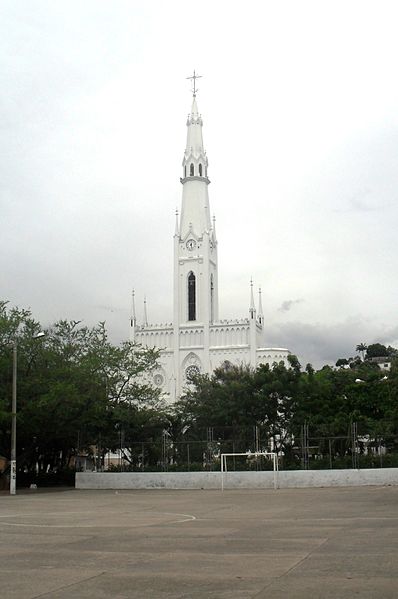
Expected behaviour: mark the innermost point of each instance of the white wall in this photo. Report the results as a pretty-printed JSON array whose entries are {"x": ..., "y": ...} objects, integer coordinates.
[{"x": 236, "y": 480}]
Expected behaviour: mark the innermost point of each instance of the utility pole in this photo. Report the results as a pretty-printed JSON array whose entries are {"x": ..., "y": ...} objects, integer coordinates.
[{"x": 13, "y": 465}]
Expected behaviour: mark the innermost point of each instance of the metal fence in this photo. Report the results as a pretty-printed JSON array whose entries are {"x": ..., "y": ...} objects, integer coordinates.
[{"x": 200, "y": 450}]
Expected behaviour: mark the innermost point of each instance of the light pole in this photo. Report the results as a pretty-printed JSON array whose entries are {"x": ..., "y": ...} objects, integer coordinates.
[{"x": 13, "y": 463}]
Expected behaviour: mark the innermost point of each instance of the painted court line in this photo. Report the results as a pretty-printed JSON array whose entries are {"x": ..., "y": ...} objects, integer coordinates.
[{"x": 182, "y": 518}]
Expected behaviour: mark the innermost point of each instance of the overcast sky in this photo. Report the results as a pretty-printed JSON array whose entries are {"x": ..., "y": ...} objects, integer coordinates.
[{"x": 300, "y": 109}]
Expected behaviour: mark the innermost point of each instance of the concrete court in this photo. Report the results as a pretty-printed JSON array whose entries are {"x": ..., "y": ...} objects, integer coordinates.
[{"x": 291, "y": 543}]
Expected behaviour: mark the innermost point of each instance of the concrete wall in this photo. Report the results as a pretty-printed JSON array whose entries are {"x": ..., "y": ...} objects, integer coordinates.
[{"x": 236, "y": 480}]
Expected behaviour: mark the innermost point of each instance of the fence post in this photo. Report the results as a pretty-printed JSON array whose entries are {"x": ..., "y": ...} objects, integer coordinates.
[
  {"x": 143, "y": 457},
  {"x": 330, "y": 454},
  {"x": 164, "y": 450},
  {"x": 210, "y": 438},
  {"x": 304, "y": 446},
  {"x": 354, "y": 444}
]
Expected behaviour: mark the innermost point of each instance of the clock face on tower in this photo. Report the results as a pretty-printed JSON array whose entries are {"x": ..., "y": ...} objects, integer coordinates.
[{"x": 190, "y": 244}]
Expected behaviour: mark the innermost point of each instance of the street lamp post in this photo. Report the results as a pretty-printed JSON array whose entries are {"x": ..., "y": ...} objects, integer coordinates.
[{"x": 13, "y": 463}]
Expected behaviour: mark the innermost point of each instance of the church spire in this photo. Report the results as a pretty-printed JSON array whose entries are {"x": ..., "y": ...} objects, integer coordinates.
[
  {"x": 252, "y": 309},
  {"x": 260, "y": 307},
  {"x": 195, "y": 202},
  {"x": 195, "y": 160}
]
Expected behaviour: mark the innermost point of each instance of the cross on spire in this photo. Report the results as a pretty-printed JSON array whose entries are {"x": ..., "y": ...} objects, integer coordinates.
[{"x": 194, "y": 77}]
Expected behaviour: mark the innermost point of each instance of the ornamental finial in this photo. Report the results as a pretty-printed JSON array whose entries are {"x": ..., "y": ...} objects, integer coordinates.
[{"x": 194, "y": 77}]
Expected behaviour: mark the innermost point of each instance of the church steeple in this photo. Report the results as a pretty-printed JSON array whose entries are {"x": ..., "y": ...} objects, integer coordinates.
[
  {"x": 194, "y": 134},
  {"x": 195, "y": 160},
  {"x": 195, "y": 201},
  {"x": 195, "y": 244}
]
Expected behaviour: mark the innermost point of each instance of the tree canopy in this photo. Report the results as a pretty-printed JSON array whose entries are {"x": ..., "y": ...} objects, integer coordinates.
[
  {"x": 76, "y": 391},
  {"x": 73, "y": 386},
  {"x": 282, "y": 399}
]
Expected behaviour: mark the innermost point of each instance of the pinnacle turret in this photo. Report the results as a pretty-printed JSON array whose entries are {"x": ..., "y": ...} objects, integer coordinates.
[
  {"x": 214, "y": 229},
  {"x": 252, "y": 309},
  {"x": 133, "y": 319},
  {"x": 260, "y": 307},
  {"x": 145, "y": 313},
  {"x": 177, "y": 228}
]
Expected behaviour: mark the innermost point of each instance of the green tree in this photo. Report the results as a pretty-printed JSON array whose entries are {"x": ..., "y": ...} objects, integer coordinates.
[
  {"x": 73, "y": 388},
  {"x": 342, "y": 362},
  {"x": 361, "y": 348},
  {"x": 239, "y": 397},
  {"x": 376, "y": 350}
]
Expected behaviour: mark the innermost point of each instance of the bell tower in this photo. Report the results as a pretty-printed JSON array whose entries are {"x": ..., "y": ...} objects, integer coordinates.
[
  {"x": 195, "y": 243},
  {"x": 195, "y": 247}
]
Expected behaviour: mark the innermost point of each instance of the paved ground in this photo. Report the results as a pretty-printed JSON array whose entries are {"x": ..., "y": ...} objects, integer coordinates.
[{"x": 292, "y": 543}]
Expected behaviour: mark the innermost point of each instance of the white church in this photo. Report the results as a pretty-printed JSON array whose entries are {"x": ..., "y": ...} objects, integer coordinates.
[{"x": 198, "y": 341}]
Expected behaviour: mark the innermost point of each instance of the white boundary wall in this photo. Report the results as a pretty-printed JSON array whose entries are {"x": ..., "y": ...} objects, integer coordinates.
[{"x": 236, "y": 480}]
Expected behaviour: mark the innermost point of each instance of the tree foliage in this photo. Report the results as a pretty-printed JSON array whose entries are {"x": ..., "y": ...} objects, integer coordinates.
[
  {"x": 376, "y": 350},
  {"x": 281, "y": 399},
  {"x": 361, "y": 348},
  {"x": 77, "y": 390},
  {"x": 73, "y": 386}
]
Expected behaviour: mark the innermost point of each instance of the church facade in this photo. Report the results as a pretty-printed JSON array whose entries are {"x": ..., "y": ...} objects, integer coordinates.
[{"x": 198, "y": 341}]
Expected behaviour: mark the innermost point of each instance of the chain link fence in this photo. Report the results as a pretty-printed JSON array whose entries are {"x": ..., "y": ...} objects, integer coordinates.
[{"x": 201, "y": 449}]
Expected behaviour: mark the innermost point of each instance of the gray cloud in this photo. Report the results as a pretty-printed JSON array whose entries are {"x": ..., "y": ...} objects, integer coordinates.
[
  {"x": 288, "y": 304},
  {"x": 93, "y": 131},
  {"x": 322, "y": 344}
]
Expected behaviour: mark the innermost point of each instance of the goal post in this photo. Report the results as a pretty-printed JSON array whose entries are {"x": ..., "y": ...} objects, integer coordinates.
[{"x": 250, "y": 454}]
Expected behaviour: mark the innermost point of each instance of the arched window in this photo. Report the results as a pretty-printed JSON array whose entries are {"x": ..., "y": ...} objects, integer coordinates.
[
  {"x": 191, "y": 172},
  {"x": 191, "y": 296},
  {"x": 185, "y": 171},
  {"x": 200, "y": 170}
]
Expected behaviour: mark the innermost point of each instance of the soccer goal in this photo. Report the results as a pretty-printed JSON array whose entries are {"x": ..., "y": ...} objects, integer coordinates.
[{"x": 267, "y": 455}]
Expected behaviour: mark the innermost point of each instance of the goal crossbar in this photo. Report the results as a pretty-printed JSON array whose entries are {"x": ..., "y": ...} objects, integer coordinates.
[{"x": 251, "y": 454}]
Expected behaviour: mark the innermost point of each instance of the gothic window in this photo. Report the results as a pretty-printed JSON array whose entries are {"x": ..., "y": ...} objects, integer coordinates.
[
  {"x": 191, "y": 372},
  {"x": 185, "y": 171},
  {"x": 191, "y": 296},
  {"x": 191, "y": 171},
  {"x": 200, "y": 170}
]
